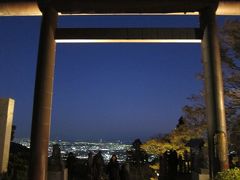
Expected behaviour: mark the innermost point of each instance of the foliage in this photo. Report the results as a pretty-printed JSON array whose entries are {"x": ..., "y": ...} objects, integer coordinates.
[
  {"x": 18, "y": 162},
  {"x": 156, "y": 146},
  {"x": 155, "y": 166},
  {"x": 231, "y": 67},
  {"x": 229, "y": 174},
  {"x": 4, "y": 176},
  {"x": 142, "y": 172},
  {"x": 194, "y": 116},
  {"x": 137, "y": 155},
  {"x": 18, "y": 166},
  {"x": 140, "y": 168},
  {"x": 176, "y": 140},
  {"x": 230, "y": 48}
]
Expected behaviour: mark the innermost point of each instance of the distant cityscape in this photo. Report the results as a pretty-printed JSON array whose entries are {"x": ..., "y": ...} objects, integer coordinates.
[{"x": 81, "y": 149}]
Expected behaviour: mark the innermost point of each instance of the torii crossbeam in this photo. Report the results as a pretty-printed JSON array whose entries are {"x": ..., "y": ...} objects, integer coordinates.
[{"x": 114, "y": 7}]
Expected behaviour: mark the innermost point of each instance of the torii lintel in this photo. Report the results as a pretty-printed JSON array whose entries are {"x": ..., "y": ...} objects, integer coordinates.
[{"x": 121, "y": 7}]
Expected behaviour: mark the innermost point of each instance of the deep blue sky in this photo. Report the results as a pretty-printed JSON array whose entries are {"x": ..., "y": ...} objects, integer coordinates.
[{"x": 108, "y": 91}]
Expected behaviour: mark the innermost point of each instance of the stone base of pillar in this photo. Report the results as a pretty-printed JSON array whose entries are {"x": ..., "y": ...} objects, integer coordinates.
[
  {"x": 202, "y": 175},
  {"x": 58, "y": 175}
]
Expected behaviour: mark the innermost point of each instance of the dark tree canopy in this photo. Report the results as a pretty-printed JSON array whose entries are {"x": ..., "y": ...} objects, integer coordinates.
[{"x": 193, "y": 123}]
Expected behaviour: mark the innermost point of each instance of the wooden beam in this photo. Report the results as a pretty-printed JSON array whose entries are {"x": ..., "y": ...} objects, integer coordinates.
[
  {"x": 132, "y": 35},
  {"x": 115, "y": 7},
  {"x": 131, "y": 6}
]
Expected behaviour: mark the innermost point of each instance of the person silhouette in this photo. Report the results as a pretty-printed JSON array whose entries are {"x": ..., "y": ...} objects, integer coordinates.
[
  {"x": 90, "y": 166},
  {"x": 71, "y": 161},
  {"x": 113, "y": 168},
  {"x": 98, "y": 166},
  {"x": 125, "y": 172}
]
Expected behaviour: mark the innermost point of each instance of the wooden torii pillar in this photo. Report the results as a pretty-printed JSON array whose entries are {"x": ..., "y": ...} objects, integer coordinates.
[
  {"x": 42, "y": 106},
  {"x": 214, "y": 93},
  {"x": 46, "y": 58}
]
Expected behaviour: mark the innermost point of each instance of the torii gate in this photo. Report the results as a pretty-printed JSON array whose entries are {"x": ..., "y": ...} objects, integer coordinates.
[{"x": 206, "y": 34}]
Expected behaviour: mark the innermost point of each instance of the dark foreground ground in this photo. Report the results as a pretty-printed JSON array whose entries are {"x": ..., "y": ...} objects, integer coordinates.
[
  {"x": 184, "y": 177},
  {"x": 178, "y": 177}
]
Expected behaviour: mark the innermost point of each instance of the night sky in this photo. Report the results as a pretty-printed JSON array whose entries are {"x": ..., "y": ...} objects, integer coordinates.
[{"x": 102, "y": 91}]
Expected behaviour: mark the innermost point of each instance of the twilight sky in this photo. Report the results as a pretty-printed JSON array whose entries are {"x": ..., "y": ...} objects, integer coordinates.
[{"x": 108, "y": 91}]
